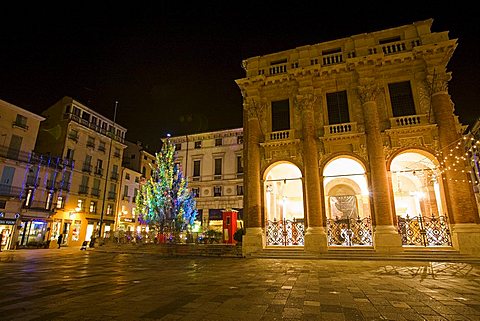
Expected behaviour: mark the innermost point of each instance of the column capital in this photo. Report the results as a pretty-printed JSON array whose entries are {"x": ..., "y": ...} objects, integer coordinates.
[
  {"x": 368, "y": 90},
  {"x": 305, "y": 102},
  {"x": 438, "y": 82},
  {"x": 254, "y": 108}
]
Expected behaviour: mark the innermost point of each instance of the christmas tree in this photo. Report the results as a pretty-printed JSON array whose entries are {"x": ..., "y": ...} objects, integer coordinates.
[{"x": 164, "y": 201}]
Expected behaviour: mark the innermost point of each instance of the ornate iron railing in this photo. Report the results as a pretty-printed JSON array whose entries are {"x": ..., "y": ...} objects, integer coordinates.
[
  {"x": 285, "y": 232},
  {"x": 349, "y": 232},
  {"x": 424, "y": 230}
]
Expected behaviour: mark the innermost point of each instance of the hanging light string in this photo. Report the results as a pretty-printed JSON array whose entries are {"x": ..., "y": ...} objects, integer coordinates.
[
  {"x": 452, "y": 160},
  {"x": 451, "y": 154}
]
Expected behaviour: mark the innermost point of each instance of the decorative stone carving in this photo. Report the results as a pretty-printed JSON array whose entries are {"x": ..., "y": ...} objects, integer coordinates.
[
  {"x": 368, "y": 90},
  {"x": 424, "y": 97},
  {"x": 411, "y": 141},
  {"x": 255, "y": 109},
  {"x": 362, "y": 152},
  {"x": 438, "y": 82},
  {"x": 305, "y": 102}
]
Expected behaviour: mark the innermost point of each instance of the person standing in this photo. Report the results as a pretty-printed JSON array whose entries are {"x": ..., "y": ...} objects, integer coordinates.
[
  {"x": 60, "y": 238},
  {"x": 1, "y": 240}
]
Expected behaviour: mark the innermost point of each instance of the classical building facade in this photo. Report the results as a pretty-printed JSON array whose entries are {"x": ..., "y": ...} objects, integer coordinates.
[
  {"x": 348, "y": 143},
  {"x": 95, "y": 144},
  {"x": 213, "y": 164}
]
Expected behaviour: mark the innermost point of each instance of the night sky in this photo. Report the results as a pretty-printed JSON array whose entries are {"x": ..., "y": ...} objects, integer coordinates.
[{"x": 173, "y": 69}]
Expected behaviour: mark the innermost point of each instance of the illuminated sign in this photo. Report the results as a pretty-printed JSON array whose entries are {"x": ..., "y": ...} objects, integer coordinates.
[{"x": 7, "y": 221}]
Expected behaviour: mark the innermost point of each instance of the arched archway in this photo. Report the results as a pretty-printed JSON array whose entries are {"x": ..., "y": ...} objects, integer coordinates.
[
  {"x": 284, "y": 214},
  {"x": 347, "y": 203},
  {"x": 419, "y": 198}
]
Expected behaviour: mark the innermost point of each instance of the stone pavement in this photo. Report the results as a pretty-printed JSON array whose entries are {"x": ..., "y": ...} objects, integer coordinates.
[{"x": 69, "y": 284}]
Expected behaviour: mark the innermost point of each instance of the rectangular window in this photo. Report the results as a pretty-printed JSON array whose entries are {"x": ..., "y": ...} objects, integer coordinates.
[
  {"x": 109, "y": 209},
  {"x": 401, "y": 98},
  {"x": 218, "y": 168},
  {"x": 91, "y": 141},
  {"x": 240, "y": 140},
  {"x": 178, "y": 146},
  {"x": 196, "y": 191},
  {"x": 29, "y": 198},
  {"x": 127, "y": 176},
  {"x": 48, "y": 204},
  {"x": 69, "y": 153},
  {"x": 93, "y": 207},
  {"x": 99, "y": 168},
  {"x": 21, "y": 121},
  {"x": 218, "y": 142},
  {"x": 101, "y": 146},
  {"x": 198, "y": 144},
  {"x": 196, "y": 168},
  {"x": 86, "y": 116},
  {"x": 60, "y": 202},
  {"x": 217, "y": 191},
  {"x": 239, "y": 189},
  {"x": 125, "y": 191},
  {"x": 239, "y": 165},
  {"x": 76, "y": 111},
  {"x": 80, "y": 204},
  {"x": 280, "y": 115},
  {"x": 337, "y": 105},
  {"x": 135, "y": 192}
]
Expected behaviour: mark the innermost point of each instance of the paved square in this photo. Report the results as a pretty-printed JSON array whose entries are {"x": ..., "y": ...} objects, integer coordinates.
[{"x": 69, "y": 284}]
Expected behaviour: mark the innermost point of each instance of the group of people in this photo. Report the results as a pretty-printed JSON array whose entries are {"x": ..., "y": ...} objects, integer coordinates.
[{"x": 84, "y": 244}]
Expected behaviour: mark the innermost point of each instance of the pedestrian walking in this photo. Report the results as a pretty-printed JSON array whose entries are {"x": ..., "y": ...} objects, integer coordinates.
[{"x": 60, "y": 238}]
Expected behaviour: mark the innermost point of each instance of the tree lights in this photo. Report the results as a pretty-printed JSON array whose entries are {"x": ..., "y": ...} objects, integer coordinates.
[{"x": 165, "y": 201}]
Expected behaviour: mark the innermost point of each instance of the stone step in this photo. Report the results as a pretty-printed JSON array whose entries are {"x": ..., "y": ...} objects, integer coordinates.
[{"x": 444, "y": 255}]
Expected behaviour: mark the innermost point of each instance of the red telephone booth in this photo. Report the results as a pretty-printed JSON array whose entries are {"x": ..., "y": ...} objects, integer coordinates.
[{"x": 229, "y": 226}]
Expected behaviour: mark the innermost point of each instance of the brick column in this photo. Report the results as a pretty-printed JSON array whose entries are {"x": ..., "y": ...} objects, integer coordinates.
[
  {"x": 386, "y": 236},
  {"x": 315, "y": 237},
  {"x": 253, "y": 240},
  {"x": 461, "y": 199}
]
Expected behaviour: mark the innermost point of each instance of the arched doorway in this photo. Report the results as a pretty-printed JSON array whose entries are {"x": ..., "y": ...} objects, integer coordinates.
[
  {"x": 284, "y": 214},
  {"x": 347, "y": 203},
  {"x": 419, "y": 200}
]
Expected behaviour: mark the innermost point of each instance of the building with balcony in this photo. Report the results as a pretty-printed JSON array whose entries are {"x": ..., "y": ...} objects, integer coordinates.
[
  {"x": 18, "y": 134},
  {"x": 126, "y": 216},
  {"x": 138, "y": 158},
  {"x": 213, "y": 165},
  {"x": 349, "y": 145},
  {"x": 95, "y": 144}
]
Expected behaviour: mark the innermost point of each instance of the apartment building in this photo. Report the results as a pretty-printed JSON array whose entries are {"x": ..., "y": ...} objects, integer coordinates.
[
  {"x": 213, "y": 164},
  {"x": 95, "y": 144},
  {"x": 349, "y": 144},
  {"x": 18, "y": 134},
  {"x": 126, "y": 216},
  {"x": 137, "y": 157}
]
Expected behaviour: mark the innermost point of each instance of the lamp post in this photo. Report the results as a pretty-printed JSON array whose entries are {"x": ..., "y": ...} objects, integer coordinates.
[{"x": 108, "y": 168}]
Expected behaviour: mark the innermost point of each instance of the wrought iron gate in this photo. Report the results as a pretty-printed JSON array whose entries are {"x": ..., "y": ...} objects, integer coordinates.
[
  {"x": 349, "y": 231},
  {"x": 285, "y": 232},
  {"x": 424, "y": 230}
]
